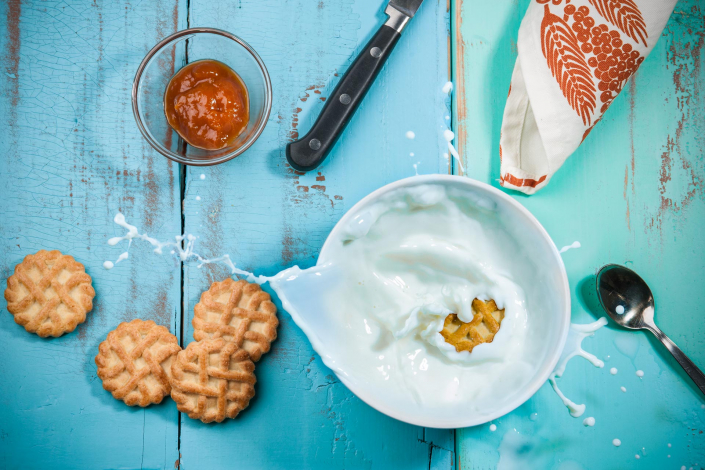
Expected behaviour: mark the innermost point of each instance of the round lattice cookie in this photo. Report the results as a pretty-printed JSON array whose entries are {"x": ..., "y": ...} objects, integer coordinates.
[
  {"x": 482, "y": 329},
  {"x": 134, "y": 362},
  {"x": 49, "y": 293},
  {"x": 237, "y": 311},
  {"x": 212, "y": 379}
]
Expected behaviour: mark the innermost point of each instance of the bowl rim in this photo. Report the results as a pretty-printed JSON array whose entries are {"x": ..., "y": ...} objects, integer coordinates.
[
  {"x": 545, "y": 369},
  {"x": 229, "y": 156}
]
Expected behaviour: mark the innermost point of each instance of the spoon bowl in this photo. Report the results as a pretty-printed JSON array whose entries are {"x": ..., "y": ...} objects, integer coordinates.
[{"x": 625, "y": 296}]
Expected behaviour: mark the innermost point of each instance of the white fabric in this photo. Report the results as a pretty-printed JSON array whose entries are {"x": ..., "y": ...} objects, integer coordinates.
[{"x": 541, "y": 128}]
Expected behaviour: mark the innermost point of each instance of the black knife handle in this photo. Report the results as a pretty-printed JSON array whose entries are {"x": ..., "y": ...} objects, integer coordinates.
[{"x": 308, "y": 152}]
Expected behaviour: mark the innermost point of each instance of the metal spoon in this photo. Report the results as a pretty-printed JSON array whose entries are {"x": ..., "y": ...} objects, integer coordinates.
[{"x": 628, "y": 301}]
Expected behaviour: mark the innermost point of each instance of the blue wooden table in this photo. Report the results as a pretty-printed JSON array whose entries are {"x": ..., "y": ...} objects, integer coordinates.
[{"x": 73, "y": 157}]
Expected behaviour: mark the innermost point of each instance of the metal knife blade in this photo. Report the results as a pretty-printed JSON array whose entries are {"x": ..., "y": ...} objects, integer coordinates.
[{"x": 407, "y": 7}]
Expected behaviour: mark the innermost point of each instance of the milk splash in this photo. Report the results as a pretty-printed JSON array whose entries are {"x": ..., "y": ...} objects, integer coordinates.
[
  {"x": 573, "y": 347},
  {"x": 448, "y": 135},
  {"x": 183, "y": 247}
]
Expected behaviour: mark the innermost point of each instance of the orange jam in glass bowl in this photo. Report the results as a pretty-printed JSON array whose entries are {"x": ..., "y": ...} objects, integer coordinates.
[{"x": 206, "y": 102}]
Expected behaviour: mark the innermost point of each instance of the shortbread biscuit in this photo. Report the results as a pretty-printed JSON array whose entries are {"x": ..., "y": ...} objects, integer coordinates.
[
  {"x": 134, "y": 362},
  {"x": 237, "y": 311},
  {"x": 212, "y": 379},
  {"x": 49, "y": 293},
  {"x": 484, "y": 325}
]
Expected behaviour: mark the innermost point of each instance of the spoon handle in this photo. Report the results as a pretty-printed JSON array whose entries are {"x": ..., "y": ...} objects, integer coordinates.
[{"x": 687, "y": 365}]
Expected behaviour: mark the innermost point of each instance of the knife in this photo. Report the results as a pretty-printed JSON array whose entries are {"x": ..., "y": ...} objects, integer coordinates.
[{"x": 308, "y": 152}]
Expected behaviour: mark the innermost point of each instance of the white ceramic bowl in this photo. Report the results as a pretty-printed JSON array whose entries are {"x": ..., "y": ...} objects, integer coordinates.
[{"x": 554, "y": 292}]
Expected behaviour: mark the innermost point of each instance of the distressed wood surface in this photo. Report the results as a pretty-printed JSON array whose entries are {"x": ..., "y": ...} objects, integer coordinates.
[
  {"x": 74, "y": 157},
  {"x": 267, "y": 217},
  {"x": 71, "y": 158},
  {"x": 632, "y": 194}
]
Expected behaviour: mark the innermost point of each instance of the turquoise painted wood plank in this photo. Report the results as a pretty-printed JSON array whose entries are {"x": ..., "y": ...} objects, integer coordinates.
[
  {"x": 73, "y": 157},
  {"x": 267, "y": 218},
  {"x": 632, "y": 194}
]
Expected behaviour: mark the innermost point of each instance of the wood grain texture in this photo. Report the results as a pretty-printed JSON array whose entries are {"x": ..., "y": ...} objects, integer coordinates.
[
  {"x": 267, "y": 217},
  {"x": 631, "y": 194},
  {"x": 72, "y": 157}
]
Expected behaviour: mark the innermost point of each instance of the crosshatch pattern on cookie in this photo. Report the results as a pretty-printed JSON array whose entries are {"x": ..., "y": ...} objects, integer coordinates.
[
  {"x": 49, "y": 293},
  {"x": 135, "y": 360},
  {"x": 212, "y": 379},
  {"x": 237, "y": 311},
  {"x": 482, "y": 329}
]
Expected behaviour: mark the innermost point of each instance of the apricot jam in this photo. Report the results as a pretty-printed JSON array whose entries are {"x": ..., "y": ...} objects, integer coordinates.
[{"x": 206, "y": 103}]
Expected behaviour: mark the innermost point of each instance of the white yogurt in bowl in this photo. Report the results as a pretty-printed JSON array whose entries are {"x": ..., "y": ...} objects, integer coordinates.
[{"x": 397, "y": 264}]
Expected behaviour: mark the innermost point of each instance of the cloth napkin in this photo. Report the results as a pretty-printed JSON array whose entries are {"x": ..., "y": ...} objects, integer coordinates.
[{"x": 575, "y": 56}]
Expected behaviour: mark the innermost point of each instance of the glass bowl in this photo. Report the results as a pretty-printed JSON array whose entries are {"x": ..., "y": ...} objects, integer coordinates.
[{"x": 159, "y": 66}]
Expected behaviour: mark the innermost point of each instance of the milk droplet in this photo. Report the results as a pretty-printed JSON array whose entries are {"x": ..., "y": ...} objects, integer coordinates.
[
  {"x": 493, "y": 427},
  {"x": 640, "y": 373},
  {"x": 619, "y": 309},
  {"x": 623, "y": 389},
  {"x": 534, "y": 416},
  {"x": 569, "y": 247},
  {"x": 411, "y": 154},
  {"x": 198, "y": 198},
  {"x": 669, "y": 444},
  {"x": 108, "y": 265},
  {"x": 613, "y": 371},
  {"x": 637, "y": 456},
  {"x": 203, "y": 176},
  {"x": 448, "y": 87},
  {"x": 589, "y": 421},
  {"x": 616, "y": 442},
  {"x": 410, "y": 135}
]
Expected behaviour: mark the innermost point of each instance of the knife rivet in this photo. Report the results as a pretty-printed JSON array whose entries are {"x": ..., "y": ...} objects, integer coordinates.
[
  {"x": 315, "y": 144},
  {"x": 345, "y": 98},
  {"x": 375, "y": 52}
]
